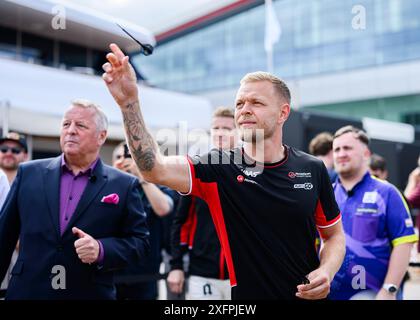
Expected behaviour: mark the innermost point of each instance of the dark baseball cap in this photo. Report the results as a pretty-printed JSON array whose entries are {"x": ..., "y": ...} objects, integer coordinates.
[{"x": 15, "y": 137}]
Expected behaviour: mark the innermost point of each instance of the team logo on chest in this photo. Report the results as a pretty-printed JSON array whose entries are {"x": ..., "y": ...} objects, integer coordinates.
[
  {"x": 306, "y": 186},
  {"x": 240, "y": 178},
  {"x": 304, "y": 175},
  {"x": 251, "y": 172},
  {"x": 293, "y": 175}
]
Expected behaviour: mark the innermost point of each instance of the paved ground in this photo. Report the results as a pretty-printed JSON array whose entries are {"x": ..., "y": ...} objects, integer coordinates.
[
  {"x": 411, "y": 291},
  {"x": 412, "y": 287}
]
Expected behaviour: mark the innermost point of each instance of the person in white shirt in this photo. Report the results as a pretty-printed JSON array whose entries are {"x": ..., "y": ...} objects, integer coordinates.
[
  {"x": 4, "y": 190},
  {"x": 13, "y": 151}
]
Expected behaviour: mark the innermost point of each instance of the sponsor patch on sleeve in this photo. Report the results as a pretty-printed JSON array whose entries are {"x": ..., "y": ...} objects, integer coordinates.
[{"x": 408, "y": 223}]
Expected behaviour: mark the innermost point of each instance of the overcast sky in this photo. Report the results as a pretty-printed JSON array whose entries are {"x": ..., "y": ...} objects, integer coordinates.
[{"x": 156, "y": 15}]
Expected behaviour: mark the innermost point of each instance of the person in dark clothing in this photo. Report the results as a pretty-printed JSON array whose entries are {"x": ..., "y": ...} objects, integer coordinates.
[
  {"x": 193, "y": 231},
  {"x": 321, "y": 147},
  {"x": 266, "y": 198},
  {"x": 158, "y": 202}
]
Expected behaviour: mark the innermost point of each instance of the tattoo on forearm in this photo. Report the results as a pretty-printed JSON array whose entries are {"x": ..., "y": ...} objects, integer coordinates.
[{"x": 139, "y": 138}]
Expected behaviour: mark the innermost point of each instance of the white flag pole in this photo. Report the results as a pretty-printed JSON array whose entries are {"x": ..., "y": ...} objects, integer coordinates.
[{"x": 269, "y": 54}]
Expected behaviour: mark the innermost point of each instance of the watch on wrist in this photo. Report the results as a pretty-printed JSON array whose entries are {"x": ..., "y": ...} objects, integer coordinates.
[{"x": 391, "y": 288}]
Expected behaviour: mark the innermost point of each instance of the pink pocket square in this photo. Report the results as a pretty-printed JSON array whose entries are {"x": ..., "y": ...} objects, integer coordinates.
[{"x": 111, "y": 198}]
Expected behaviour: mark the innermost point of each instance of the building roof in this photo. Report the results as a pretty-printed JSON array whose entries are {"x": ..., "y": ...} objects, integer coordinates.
[
  {"x": 206, "y": 19},
  {"x": 83, "y": 26}
]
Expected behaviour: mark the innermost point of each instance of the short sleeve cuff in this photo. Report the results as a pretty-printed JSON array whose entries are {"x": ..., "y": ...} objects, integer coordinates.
[
  {"x": 405, "y": 239},
  {"x": 190, "y": 172},
  {"x": 330, "y": 223}
]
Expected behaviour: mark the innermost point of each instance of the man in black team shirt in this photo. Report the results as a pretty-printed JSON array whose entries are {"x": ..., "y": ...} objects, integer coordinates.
[{"x": 266, "y": 199}]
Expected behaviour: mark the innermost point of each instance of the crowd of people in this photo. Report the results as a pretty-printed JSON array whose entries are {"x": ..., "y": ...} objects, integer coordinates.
[{"x": 253, "y": 218}]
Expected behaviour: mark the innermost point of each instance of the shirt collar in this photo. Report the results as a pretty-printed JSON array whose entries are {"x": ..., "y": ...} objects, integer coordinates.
[
  {"x": 65, "y": 167},
  {"x": 365, "y": 177}
]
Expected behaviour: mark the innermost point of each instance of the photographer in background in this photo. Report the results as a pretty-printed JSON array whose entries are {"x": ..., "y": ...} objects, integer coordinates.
[{"x": 158, "y": 202}]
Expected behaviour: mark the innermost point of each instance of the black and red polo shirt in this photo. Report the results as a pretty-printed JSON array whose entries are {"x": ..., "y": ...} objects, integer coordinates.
[{"x": 266, "y": 216}]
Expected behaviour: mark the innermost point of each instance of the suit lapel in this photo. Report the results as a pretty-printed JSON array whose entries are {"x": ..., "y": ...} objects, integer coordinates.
[
  {"x": 93, "y": 187},
  {"x": 52, "y": 191}
]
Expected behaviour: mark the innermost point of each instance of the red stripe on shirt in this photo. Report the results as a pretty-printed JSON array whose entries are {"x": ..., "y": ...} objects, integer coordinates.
[
  {"x": 210, "y": 193},
  {"x": 222, "y": 265},
  {"x": 193, "y": 229},
  {"x": 186, "y": 226},
  {"x": 321, "y": 218}
]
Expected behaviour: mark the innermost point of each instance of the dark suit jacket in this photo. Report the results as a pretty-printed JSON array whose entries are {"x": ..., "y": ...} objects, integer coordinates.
[{"x": 31, "y": 213}]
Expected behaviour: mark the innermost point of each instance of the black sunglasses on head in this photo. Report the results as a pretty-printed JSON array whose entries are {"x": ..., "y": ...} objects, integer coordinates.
[{"x": 15, "y": 150}]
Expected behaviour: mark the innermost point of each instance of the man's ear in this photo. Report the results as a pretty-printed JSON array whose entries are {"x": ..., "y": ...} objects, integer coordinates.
[
  {"x": 367, "y": 153},
  {"x": 284, "y": 113},
  {"x": 102, "y": 137}
]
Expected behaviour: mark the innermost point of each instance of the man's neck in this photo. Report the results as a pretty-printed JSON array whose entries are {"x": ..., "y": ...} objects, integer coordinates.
[
  {"x": 348, "y": 182},
  {"x": 11, "y": 175},
  {"x": 328, "y": 162},
  {"x": 79, "y": 164},
  {"x": 267, "y": 151}
]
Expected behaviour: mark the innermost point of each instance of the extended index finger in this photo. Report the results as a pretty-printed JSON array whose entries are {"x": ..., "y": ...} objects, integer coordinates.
[
  {"x": 117, "y": 51},
  {"x": 113, "y": 60}
]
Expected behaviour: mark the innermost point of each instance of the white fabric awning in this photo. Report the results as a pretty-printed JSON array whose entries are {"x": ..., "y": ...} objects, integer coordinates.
[
  {"x": 83, "y": 26},
  {"x": 38, "y": 97}
]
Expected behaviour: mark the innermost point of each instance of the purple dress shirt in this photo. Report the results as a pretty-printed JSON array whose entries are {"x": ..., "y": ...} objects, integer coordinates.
[{"x": 71, "y": 190}]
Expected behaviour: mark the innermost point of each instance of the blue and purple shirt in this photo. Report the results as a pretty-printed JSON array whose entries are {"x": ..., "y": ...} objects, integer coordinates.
[{"x": 375, "y": 218}]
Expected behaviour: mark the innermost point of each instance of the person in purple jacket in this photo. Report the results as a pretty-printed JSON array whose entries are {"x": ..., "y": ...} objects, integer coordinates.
[{"x": 377, "y": 223}]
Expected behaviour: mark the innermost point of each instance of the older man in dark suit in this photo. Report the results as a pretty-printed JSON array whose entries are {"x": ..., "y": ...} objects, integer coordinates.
[{"x": 77, "y": 219}]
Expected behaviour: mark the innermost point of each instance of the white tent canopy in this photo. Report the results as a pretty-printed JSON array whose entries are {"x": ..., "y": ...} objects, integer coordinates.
[
  {"x": 83, "y": 26},
  {"x": 38, "y": 97}
]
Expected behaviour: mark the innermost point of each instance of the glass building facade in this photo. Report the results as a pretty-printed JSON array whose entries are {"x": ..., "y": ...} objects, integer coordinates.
[
  {"x": 32, "y": 48},
  {"x": 318, "y": 37}
]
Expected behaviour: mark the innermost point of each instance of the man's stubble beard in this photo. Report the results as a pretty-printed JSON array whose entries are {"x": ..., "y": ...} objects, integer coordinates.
[
  {"x": 255, "y": 135},
  {"x": 9, "y": 167}
]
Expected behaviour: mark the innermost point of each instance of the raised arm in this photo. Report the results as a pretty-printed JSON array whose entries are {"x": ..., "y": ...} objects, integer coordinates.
[{"x": 121, "y": 81}]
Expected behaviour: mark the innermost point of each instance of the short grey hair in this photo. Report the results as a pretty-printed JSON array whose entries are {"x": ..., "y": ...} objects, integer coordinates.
[
  {"x": 225, "y": 112},
  {"x": 279, "y": 85},
  {"x": 100, "y": 116}
]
